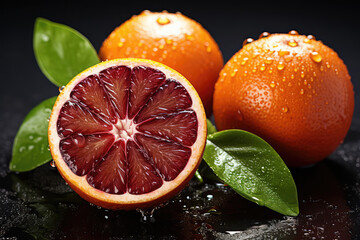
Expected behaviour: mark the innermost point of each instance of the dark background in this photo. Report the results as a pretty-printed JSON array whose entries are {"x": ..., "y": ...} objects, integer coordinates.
[{"x": 229, "y": 22}]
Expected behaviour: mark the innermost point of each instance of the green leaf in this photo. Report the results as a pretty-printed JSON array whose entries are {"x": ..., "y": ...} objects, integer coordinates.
[
  {"x": 253, "y": 169},
  {"x": 61, "y": 52},
  {"x": 30, "y": 148},
  {"x": 210, "y": 127}
]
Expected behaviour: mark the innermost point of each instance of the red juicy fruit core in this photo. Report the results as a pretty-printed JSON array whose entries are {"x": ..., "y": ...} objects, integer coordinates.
[{"x": 127, "y": 129}]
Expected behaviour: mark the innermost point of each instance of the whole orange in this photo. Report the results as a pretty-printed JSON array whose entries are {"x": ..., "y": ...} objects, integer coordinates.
[
  {"x": 174, "y": 40},
  {"x": 291, "y": 90}
]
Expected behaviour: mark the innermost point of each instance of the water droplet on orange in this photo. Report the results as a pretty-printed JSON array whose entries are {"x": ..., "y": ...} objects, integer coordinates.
[
  {"x": 285, "y": 109},
  {"x": 282, "y": 53},
  {"x": 268, "y": 60},
  {"x": 247, "y": 41},
  {"x": 327, "y": 65},
  {"x": 243, "y": 61},
  {"x": 302, "y": 91},
  {"x": 302, "y": 74},
  {"x": 168, "y": 41},
  {"x": 272, "y": 84},
  {"x": 262, "y": 67},
  {"x": 189, "y": 37},
  {"x": 293, "y": 32},
  {"x": 161, "y": 46},
  {"x": 120, "y": 44},
  {"x": 145, "y": 12},
  {"x": 292, "y": 76},
  {"x": 162, "y": 20},
  {"x": 336, "y": 71},
  {"x": 311, "y": 37},
  {"x": 292, "y": 43},
  {"x": 305, "y": 82},
  {"x": 288, "y": 58},
  {"x": 284, "y": 79},
  {"x": 256, "y": 54},
  {"x": 309, "y": 86},
  {"x": 306, "y": 40},
  {"x": 321, "y": 68},
  {"x": 233, "y": 73},
  {"x": 264, "y": 34},
  {"x": 270, "y": 70},
  {"x": 280, "y": 66},
  {"x": 254, "y": 69},
  {"x": 316, "y": 57}
]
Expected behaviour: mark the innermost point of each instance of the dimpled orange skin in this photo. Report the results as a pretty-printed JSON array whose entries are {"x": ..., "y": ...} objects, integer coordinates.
[
  {"x": 174, "y": 40},
  {"x": 291, "y": 90}
]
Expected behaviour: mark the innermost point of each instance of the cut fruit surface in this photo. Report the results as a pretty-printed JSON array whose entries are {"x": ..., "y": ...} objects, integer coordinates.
[{"x": 127, "y": 133}]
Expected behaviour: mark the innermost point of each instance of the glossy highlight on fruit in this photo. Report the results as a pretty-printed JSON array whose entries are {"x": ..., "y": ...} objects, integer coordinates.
[
  {"x": 174, "y": 40},
  {"x": 127, "y": 133},
  {"x": 289, "y": 89}
]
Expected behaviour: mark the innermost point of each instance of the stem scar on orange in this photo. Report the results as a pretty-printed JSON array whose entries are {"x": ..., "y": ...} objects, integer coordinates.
[
  {"x": 291, "y": 90},
  {"x": 127, "y": 133},
  {"x": 174, "y": 40}
]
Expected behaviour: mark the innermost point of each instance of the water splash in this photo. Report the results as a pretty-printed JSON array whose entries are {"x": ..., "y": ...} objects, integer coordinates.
[{"x": 147, "y": 215}]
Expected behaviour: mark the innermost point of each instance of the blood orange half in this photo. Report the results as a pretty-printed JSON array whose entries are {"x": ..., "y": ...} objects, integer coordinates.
[{"x": 127, "y": 133}]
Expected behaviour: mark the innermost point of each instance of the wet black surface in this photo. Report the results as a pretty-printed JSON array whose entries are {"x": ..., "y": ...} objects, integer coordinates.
[{"x": 39, "y": 205}]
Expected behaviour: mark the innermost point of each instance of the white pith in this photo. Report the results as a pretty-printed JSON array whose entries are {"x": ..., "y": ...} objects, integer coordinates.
[{"x": 125, "y": 129}]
